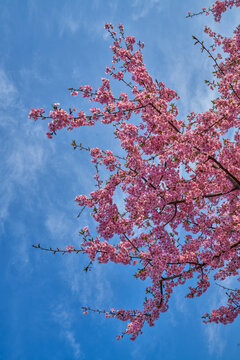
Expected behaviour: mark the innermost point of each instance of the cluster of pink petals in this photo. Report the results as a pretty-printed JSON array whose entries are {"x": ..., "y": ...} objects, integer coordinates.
[
  {"x": 226, "y": 314},
  {"x": 36, "y": 113},
  {"x": 69, "y": 248},
  {"x": 219, "y": 7}
]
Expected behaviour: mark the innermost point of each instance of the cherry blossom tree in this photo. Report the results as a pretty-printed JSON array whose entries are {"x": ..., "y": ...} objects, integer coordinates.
[{"x": 180, "y": 179}]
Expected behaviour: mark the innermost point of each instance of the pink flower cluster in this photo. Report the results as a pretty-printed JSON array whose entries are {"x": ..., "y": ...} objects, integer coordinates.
[
  {"x": 69, "y": 248},
  {"x": 219, "y": 7},
  {"x": 225, "y": 314},
  {"x": 36, "y": 113}
]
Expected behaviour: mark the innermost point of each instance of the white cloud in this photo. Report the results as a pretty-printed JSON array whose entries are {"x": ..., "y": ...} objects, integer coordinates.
[
  {"x": 74, "y": 344},
  {"x": 21, "y": 163},
  {"x": 64, "y": 319},
  {"x": 68, "y": 23},
  {"x": 8, "y": 92},
  {"x": 92, "y": 288},
  {"x": 187, "y": 79},
  {"x": 59, "y": 226},
  {"x": 142, "y": 8},
  {"x": 24, "y": 163},
  {"x": 22, "y": 157},
  {"x": 216, "y": 341}
]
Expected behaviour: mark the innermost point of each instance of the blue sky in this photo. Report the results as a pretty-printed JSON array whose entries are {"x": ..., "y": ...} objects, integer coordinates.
[{"x": 47, "y": 47}]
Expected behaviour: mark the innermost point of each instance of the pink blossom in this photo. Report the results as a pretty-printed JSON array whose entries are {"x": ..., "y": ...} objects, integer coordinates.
[
  {"x": 69, "y": 248},
  {"x": 36, "y": 113}
]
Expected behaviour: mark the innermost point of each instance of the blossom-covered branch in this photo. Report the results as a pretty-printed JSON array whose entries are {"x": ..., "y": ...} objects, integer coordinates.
[{"x": 176, "y": 176}]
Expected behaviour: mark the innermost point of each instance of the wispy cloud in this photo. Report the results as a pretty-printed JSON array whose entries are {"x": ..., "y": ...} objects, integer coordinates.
[
  {"x": 143, "y": 7},
  {"x": 68, "y": 23},
  {"x": 74, "y": 344},
  {"x": 21, "y": 157},
  {"x": 92, "y": 288},
  {"x": 216, "y": 341},
  {"x": 64, "y": 319},
  {"x": 8, "y": 92},
  {"x": 183, "y": 78},
  {"x": 59, "y": 225}
]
